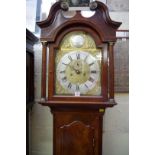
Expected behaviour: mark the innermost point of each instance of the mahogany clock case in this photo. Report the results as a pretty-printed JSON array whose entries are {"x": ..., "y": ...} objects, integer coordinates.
[
  {"x": 103, "y": 31},
  {"x": 77, "y": 120}
]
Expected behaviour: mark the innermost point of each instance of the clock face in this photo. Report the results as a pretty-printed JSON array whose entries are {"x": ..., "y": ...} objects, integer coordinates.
[
  {"x": 78, "y": 69},
  {"x": 78, "y": 72}
]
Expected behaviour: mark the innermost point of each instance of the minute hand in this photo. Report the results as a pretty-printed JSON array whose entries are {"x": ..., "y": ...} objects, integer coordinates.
[{"x": 76, "y": 70}]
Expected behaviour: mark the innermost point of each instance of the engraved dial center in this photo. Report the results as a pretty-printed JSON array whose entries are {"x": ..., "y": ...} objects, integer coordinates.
[{"x": 75, "y": 71}]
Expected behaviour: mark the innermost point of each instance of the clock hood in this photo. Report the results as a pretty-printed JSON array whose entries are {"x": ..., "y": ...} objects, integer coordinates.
[{"x": 100, "y": 24}]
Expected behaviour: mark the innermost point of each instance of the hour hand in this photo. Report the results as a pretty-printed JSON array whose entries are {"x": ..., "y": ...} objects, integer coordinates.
[{"x": 76, "y": 70}]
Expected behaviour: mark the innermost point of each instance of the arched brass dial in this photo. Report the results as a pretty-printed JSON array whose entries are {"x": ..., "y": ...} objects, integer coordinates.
[{"x": 78, "y": 66}]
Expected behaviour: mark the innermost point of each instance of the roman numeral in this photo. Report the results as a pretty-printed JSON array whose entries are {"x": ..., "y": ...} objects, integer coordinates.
[
  {"x": 91, "y": 79},
  {"x": 85, "y": 58},
  {"x": 70, "y": 85},
  {"x": 86, "y": 85},
  {"x": 64, "y": 79},
  {"x": 78, "y": 56},
  {"x": 91, "y": 64},
  {"x": 62, "y": 71},
  {"x": 93, "y": 71},
  {"x": 77, "y": 88},
  {"x": 64, "y": 64},
  {"x": 70, "y": 58}
]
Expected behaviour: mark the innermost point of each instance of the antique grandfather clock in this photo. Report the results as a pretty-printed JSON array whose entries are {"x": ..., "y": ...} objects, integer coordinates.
[{"x": 80, "y": 83}]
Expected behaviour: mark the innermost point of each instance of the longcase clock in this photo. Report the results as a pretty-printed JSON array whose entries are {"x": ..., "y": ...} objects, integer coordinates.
[{"x": 80, "y": 83}]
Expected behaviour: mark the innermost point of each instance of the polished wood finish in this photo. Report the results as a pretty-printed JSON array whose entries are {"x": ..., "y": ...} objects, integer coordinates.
[
  {"x": 56, "y": 26},
  {"x": 51, "y": 73},
  {"x": 100, "y": 23},
  {"x": 43, "y": 79},
  {"x": 78, "y": 120},
  {"x": 104, "y": 67},
  {"x": 111, "y": 70},
  {"x": 77, "y": 133}
]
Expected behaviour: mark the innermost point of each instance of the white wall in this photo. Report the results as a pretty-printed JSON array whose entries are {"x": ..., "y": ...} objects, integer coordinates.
[
  {"x": 116, "y": 127},
  {"x": 31, "y": 6}
]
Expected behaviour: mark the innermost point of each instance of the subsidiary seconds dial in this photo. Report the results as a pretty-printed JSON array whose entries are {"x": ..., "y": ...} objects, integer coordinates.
[{"x": 78, "y": 71}]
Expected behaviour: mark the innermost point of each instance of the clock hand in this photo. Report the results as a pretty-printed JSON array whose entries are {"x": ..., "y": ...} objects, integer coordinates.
[{"x": 76, "y": 70}]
